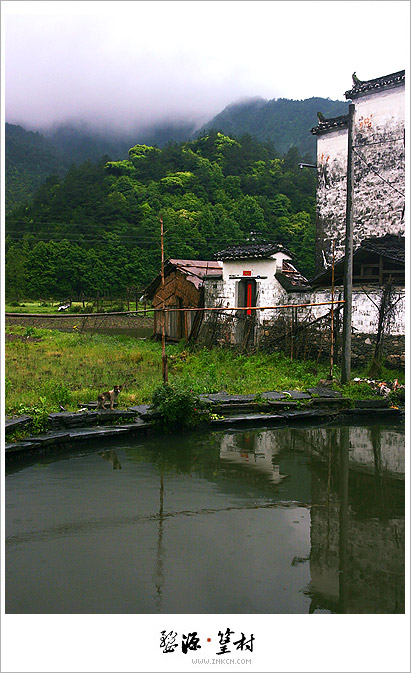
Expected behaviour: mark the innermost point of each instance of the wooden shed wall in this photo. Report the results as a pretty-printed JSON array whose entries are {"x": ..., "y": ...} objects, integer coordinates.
[{"x": 178, "y": 292}]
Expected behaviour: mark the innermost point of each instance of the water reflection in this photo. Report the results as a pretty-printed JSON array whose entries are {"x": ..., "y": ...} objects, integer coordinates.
[
  {"x": 357, "y": 539},
  {"x": 112, "y": 457},
  {"x": 290, "y": 520},
  {"x": 254, "y": 451},
  {"x": 160, "y": 555}
]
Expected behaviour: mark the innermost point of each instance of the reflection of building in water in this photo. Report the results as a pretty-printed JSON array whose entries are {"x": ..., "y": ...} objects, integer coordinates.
[
  {"x": 256, "y": 450},
  {"x": 362, "y": 450},
  {"x": 368, "y": 555},
  {"x": 362, "y": 445}
]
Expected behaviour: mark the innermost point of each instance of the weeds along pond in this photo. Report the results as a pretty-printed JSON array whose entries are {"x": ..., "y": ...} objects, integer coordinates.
[{"x": 290, "y": 520}]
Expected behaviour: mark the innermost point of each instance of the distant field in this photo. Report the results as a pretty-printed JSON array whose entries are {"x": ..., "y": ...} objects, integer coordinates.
[{"x": 42, "y": 307}]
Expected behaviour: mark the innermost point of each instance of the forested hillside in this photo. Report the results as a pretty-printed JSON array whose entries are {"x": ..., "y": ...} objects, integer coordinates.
[
  {"x": 280, "y": 121},
  {"x": 97, "y": 229},
  {"x": 29, "y": 160}
]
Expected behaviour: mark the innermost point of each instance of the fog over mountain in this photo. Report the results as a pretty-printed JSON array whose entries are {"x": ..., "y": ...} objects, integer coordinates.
[{"x": 125, "y": 66}]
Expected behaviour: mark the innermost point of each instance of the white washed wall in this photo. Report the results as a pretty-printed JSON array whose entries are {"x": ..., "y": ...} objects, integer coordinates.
[
  {"x": 377, "y": 207},
  {"x": 364, "y": 311}
]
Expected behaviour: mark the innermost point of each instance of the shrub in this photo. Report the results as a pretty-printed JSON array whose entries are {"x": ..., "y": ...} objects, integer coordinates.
[
  {"x": 177, "y": 406},
  {"x": 38, "y": 412},
  {"x": 397, "y": 397},
  {"x": 7, "y": 385}
]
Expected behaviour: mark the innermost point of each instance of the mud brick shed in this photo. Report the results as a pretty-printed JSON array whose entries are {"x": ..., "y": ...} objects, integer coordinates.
[{"x": 183, "y": 288}]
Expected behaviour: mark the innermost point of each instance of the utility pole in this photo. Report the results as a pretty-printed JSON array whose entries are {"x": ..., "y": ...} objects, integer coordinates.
[
  {"x": 332, "y": 316},
  {"x": 163, "y": 321},
  {"x": 348, "y": 262}
]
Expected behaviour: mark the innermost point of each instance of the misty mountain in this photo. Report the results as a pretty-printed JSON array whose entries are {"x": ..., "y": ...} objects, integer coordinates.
[
  {"x": 81, "y": 142},
  {"x": 31, "y": 157},
  {"x": 283, "y": 122}
]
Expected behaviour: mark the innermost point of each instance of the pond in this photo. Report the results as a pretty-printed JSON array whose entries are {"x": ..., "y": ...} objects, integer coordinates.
[{"x": 272, "y": 521}]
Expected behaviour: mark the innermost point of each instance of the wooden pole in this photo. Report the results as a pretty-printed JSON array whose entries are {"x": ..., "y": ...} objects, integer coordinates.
[
  {"x": 163, "y": 321},
  {"x": 348, "y": 261},
  {"x": 332, "y": 316}
]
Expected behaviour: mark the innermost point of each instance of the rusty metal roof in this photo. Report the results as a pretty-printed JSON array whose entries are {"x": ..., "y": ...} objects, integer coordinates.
[{"x": 194, "y": 269}]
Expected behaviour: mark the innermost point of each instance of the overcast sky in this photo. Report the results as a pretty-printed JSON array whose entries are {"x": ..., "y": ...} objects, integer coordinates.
[{"x": 122, "y": 63}]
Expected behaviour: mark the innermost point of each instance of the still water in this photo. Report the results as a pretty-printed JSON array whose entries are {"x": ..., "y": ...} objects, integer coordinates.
[{"x": 291, "y": 520}]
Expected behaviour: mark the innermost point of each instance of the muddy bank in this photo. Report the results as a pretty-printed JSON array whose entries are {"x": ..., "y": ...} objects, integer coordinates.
[{"x": 80, "y": 321}]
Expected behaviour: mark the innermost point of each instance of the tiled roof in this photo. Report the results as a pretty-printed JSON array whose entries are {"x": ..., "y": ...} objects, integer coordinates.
[
  {"x": 389, "y": 246},
  {"x": 375, "y": 85},
  {"x": 333, "y": 124},
  {"x": 252, "y": 250}
]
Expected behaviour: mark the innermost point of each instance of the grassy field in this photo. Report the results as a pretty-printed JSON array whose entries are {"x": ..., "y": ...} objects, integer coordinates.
[{"x": 72, "y": 368}]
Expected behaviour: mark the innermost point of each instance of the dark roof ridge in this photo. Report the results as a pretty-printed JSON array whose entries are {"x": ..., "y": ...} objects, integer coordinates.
[
  {"x": 331, "y": 124},
  {"x": 374, "y": 85},
  {"x": 250, "y": 250}
]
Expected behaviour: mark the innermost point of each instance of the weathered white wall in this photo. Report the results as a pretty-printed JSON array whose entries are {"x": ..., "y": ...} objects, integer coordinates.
[
  {"x": 379, "y": 122},
  {"x": 331, "y": 195},
  {"x": 269, "y": 292},
  {"x": 364, "y": 310}
]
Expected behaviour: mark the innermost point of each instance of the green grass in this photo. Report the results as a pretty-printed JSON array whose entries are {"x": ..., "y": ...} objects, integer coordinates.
[{"x": 72, "y": 368}]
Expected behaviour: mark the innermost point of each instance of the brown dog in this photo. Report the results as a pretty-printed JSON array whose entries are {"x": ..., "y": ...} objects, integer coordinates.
[{"x": 108, "y": 396}]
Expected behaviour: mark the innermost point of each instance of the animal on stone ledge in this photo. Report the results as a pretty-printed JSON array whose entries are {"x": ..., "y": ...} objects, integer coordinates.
[{"x": 108, "y": 396}]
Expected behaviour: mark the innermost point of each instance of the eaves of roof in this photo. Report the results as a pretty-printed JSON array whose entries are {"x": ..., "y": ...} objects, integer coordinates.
[
  {"x": 333, "y": 124},
  {"x": 375, "y": 85}
]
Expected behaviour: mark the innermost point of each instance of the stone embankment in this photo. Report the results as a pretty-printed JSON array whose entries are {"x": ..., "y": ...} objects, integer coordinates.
[{"x": 273, "y": 408}]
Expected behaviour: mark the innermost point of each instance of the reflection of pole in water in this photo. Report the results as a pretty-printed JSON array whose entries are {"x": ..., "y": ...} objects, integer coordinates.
[
  {"x": 343, "y": 533},
  {"x": 379, "y": 490},
  {"x": 159, "y": 571},
  {"x": 331, "y": 436}
]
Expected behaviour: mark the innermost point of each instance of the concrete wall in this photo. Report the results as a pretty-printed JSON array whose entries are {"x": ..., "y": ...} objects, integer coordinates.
[{"x": 379, "y": 121}]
